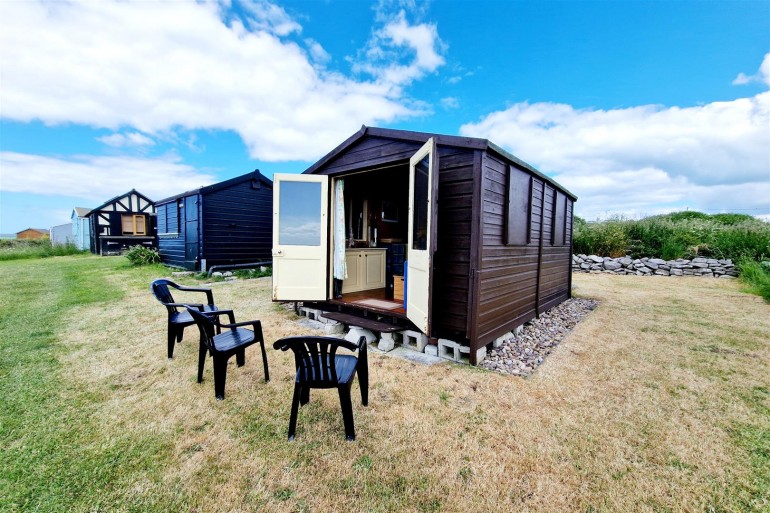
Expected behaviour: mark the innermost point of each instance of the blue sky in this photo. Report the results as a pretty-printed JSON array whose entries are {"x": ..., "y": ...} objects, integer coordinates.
[{"x": 638, "y": 108}]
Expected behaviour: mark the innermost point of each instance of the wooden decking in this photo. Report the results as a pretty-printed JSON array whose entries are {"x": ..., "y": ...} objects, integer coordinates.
[{"x": 353, "y": 299}]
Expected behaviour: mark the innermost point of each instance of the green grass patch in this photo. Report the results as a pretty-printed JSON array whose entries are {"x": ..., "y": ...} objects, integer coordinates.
[{"x": 53, "y": 455}]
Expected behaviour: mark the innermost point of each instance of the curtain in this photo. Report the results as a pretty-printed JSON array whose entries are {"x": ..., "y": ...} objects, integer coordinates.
[{"x": 340, "y": 268}]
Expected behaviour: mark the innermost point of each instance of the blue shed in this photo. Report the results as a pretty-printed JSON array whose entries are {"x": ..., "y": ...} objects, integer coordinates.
[
  {"x": 228, "y": 223},
  {"x": 81, "y": 232}
]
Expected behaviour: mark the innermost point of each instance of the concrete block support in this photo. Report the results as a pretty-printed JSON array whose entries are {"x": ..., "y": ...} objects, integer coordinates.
[
  {"x": 356, "y": 333},
  {"x": 451, "y": 350},
  {"x": 387, "y": 342},
  {"x": 334, "y": 328},
  {"x": 414, "y": 340}
]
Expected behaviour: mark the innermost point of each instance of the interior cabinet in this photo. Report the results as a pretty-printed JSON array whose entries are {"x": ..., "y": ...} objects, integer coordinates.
[{"x": 366, "y": 269}]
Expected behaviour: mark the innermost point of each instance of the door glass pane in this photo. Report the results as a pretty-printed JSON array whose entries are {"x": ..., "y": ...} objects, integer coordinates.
[
  {"x": 420, "y": 226},
  {"x": 299, "y": 214}
]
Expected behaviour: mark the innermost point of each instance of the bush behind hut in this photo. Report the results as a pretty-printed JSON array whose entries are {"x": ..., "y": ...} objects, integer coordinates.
[{"x": 677, "y": 235}]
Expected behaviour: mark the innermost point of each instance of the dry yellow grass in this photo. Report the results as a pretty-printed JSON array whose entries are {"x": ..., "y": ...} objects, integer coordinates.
[{"x": 631, "y": 413}]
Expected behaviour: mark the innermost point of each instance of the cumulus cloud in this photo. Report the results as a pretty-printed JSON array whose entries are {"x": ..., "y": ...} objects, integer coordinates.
[
  {"x": 402, "y": 52},
  {"x": 96, "y": 179},
  {"x": 762, "y": 75},
  {"x": 647, "y": 158},
  {"x": 157, "y": 67}
]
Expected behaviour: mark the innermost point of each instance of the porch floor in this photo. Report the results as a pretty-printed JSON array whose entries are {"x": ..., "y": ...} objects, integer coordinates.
[{"x": 363, "y": 299}]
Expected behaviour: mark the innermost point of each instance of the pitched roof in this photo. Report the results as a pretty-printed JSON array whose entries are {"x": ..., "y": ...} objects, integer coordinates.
[
  {"x": 39, "y": 230},
  {"x": 441, "y": 140},
  {"x": 82, "y": 211},
  {"x": 254, "y": 175},
  {"x": 116, "y": 198}
]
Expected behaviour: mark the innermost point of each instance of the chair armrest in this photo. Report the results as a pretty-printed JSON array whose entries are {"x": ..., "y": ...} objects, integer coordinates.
[
  {"x": 198, "y": 306},
  {"x": 257, "y": 325},
  {"x": 209, "y": 294}
]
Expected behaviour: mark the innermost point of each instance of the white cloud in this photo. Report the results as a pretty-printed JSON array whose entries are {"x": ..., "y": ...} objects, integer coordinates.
[
  {"x": 450, "y": 102},
  {"x": 97, "y": 179},
  {"x": 265, "y": 16},
  {"x": 643, "y": 159},
  {"x": 317, "y": 52},
  {"x": 762, "y": 75},
  {"x": 402, "y": 52},
  {"x": 157, "y": 67},
  {"x": 130, "y": 139}
]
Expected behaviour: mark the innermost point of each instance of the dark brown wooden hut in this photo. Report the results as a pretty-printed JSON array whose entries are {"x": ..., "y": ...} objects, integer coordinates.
[{"x": 487, "y": 238}]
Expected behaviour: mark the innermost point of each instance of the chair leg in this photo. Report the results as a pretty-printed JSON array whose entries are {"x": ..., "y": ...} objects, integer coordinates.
[
  {"x": 179, "y": 334},
  {"x": 347, "y": 413},
  {"x": 240, "y": 357},
  {"x": 171, "y": 340},
  {"x": 220, "y": 376},
  {"x": 294, "y": 409},
  {"x": 304, "y": 397},
  {"x": 363, "y": 383},
  {"x": 201, "y": 360},
  {"x": 264, "y": 360}
]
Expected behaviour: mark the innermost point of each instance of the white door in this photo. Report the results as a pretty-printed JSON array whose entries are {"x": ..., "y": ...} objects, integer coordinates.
[
  {"x": 423, "y": 184},
  {"x": 300, "y": 237}
]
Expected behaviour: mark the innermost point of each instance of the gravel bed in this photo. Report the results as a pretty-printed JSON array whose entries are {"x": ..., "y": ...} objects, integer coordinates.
[{"x": 521, "y": 353}]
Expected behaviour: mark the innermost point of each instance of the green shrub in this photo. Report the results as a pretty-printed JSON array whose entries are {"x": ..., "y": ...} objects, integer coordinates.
[
  {"x": 12, "y": 249},
  {"x": 756, "y": 276},
  {"x": 141, "y": 255},
  {"x": 677, "y": 235},
  {"x": 608, "y": 238}
]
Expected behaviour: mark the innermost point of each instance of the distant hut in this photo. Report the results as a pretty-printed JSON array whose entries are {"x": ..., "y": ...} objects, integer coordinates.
[
  {"x": 228, "y": 223},
  {"x": 32, "y": 234},
  {"x": 61, "y": 234},
  {"x": 81, "y": 230},
  {"x": 124, "y": 221}
]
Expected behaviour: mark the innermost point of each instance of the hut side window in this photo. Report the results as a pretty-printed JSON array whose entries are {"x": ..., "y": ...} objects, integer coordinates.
[
  {"x": 133, "y": 224},
  {"x": 518, "y": 208},
  {"x": 559, "y": 219}
]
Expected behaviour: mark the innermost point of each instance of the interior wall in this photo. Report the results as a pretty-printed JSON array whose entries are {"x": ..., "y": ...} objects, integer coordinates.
[{"x": 389, "y": 185}]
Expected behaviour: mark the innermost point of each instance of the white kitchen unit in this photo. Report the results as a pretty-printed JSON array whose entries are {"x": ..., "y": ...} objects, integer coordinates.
[{"x": 366, "y": 269}]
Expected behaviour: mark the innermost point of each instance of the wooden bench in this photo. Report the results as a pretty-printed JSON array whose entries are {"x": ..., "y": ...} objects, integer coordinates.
[{"x": 363, "y": 322}]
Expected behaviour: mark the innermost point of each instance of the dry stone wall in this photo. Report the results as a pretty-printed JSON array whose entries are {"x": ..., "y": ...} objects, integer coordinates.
[{"x": 709, "y": 267}]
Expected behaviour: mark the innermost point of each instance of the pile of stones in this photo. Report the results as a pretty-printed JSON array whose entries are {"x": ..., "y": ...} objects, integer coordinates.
[
  {"x": 709, "y": 267},
  {"x": 520, "y": 352}
]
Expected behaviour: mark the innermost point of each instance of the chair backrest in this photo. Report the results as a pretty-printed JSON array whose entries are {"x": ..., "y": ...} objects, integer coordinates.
[
  {"x": 160, "y": 290},
  {"x": 314, "y": 358},
  {"x": 205, "y": 326}
]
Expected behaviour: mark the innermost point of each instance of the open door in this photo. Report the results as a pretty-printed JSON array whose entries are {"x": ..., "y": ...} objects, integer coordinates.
[
  {"x": 300, "y": 237},
  {"x": 423, "y": 187}
]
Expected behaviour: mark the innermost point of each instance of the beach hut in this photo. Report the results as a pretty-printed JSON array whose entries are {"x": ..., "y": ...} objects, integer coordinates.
[
  {"x": 121, "y": 222},
  {"x": 225, "y": 224},
  {"x": 81, "y": 229},
  {"x": 485, "y": 237}
]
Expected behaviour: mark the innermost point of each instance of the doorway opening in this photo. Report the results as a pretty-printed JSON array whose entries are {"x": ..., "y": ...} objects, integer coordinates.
[{"x": 376, "y": 215}]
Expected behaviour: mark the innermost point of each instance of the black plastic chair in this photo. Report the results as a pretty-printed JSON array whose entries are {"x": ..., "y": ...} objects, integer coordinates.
[
  {"x": 224, "y": 345},
  {"x": 178, "y": 318},
  {"x": 319, "y": 366}
]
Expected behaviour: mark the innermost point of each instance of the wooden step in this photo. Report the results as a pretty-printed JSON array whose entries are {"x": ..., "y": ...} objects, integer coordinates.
[{"x": 363, "y": 322}]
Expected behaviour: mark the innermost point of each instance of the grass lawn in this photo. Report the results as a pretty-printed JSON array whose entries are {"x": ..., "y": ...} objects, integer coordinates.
[{"x": 658, "y": 401}]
